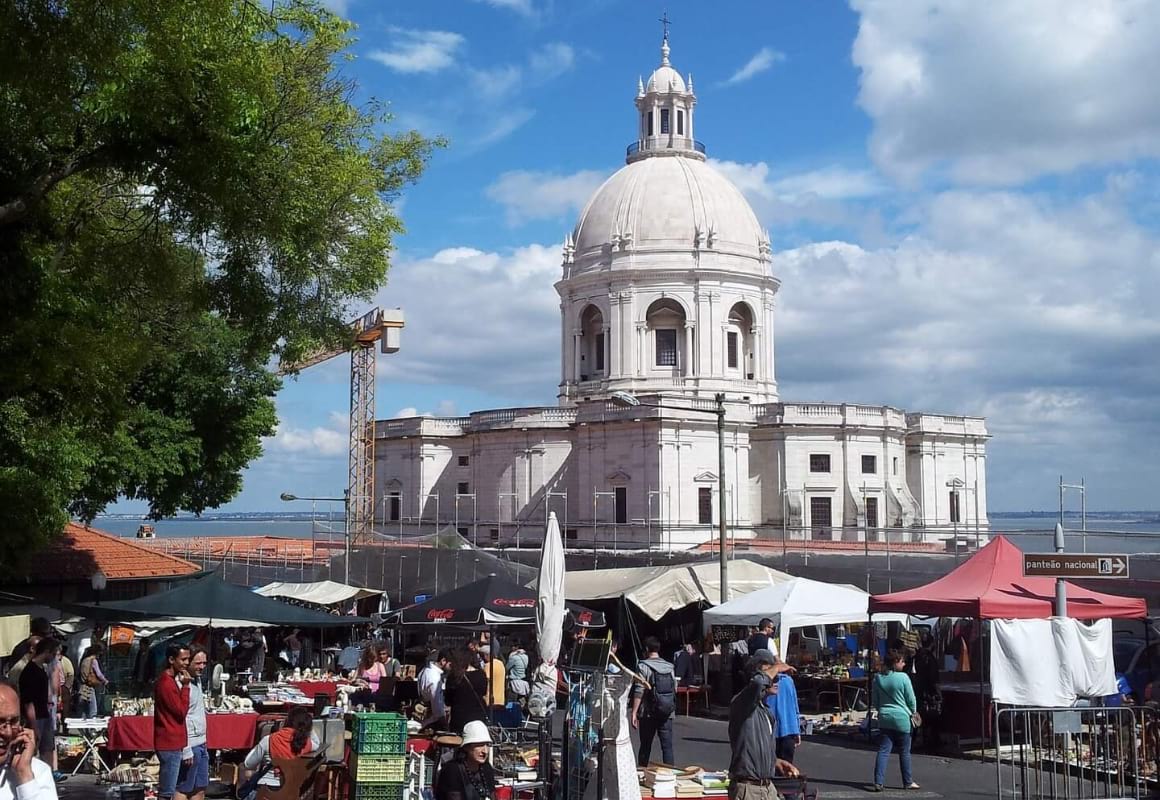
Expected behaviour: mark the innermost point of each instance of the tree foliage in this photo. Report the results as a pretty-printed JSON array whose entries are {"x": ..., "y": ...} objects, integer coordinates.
[{"x": 187, "y": 191}]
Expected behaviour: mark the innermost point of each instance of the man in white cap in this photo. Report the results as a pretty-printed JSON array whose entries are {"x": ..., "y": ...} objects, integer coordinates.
[{"x": 468, "y": 776}]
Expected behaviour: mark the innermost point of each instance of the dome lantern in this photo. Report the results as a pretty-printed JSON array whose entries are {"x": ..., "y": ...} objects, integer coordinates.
[{"x": 665, "y": 114}]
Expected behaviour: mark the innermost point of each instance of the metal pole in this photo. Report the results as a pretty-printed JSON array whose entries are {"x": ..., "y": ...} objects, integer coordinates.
[
  {"x": 346, "y": 537},
  {"x": 721, "y": 529},
  {"x": 1083, "y": 510},
  {"x": 865, "y": 537},
  {"x": 1060, "y": 584}
]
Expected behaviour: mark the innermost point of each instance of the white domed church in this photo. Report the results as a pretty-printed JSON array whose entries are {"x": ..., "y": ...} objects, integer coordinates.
[{"x": 668, "y": 302}]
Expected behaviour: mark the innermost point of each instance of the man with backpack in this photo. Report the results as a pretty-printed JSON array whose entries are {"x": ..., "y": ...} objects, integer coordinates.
[{"x": 653, "y": 708}]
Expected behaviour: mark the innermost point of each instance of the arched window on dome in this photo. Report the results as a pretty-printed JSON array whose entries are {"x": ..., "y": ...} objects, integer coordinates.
[
  {"x": 739, "y": 359},
  {"x": 592, "y": 344},
  {"x": 665, "y": 323}
]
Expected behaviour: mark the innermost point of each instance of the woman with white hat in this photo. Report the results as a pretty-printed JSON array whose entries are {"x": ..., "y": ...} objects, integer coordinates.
[{"x": 468, "y": 776}]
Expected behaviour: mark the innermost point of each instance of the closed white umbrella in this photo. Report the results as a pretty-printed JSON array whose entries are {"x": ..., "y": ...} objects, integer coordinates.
[
  {"x": 549, "y": 620},
  {"x": 550, "y": 594}
]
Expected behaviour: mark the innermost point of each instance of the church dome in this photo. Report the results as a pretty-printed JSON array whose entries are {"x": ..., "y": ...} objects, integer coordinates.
[
  {"x": 665, "y": 79},
  {"x": 667, "y": 204}
]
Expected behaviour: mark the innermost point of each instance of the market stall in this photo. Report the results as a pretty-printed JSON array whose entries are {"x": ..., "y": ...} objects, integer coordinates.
[
  {"x": 990, "y": 586},
  {"x": 318, "y": 593},
  {"x": 223, "y": 732}
]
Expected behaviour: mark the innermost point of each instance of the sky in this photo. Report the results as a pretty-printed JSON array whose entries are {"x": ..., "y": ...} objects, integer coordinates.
[{"x": 961, "y": 196}]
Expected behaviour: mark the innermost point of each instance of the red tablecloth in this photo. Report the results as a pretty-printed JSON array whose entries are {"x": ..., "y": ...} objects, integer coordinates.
[
  {"x": 314, "y": 688},
  {"x": 223, "y": 732}
]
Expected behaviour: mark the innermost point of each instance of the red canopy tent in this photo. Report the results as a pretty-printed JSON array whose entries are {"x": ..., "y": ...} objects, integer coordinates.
[{"x": 991, "y": 585}]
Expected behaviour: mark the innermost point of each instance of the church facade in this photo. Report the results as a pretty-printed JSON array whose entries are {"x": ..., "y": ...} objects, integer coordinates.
[{"x": 667, "y": 308}]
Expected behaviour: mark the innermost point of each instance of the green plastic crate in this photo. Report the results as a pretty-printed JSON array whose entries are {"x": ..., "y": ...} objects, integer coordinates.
[
  {"x": 378, "y": 769},
  {"x": 379, "y": 791},
  {"x": 379, "y": 734}
]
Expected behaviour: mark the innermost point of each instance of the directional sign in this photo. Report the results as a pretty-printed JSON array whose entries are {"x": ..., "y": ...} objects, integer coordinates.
[{"x": 1075, "y": 565}]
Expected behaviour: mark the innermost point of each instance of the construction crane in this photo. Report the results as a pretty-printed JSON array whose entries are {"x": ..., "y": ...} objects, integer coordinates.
[{"x": 382, "y": 326}]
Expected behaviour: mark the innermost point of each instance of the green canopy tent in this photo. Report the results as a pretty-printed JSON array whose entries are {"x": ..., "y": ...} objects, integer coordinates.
[{"x": 212, "y": 598}]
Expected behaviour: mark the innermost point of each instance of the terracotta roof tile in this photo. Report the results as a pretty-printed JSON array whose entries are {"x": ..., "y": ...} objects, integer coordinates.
[{"x": 81, "y": 551}]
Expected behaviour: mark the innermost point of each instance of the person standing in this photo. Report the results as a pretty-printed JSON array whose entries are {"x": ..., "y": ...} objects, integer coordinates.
[
  {"x": 469, "y": 775},
  {"x": 431, "y": 689},
  {"x": 753, "y": 761},
  {"x": 783, "y": 704},
  {"x": 24, "y": 659},
  {"x": 170, "y": 708},
  {"x": 496, "y": 674},
  {"x": 763, "y": 638},
  {"x": 293, "y": 644},
  {"x": 926, "y": 688},
  {"x": 893, "y": 697},
  {"x": 35, "y": 699},
  {"x": 466, "y": 691},
  {"x": 38, "y": 628},
  {"x": 91, "y": 680},
  {"x": 653, "y": 708},
  {"x": 25, "y": 777},
  {"x": 517, "y": 673},
  {"x": 193, "y": 777}
]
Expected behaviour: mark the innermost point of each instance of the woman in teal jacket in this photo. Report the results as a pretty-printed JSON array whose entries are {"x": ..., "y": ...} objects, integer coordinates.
[{"x": 893, "y": 697}]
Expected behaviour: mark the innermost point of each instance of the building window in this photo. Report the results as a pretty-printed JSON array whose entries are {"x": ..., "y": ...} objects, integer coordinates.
[
  {"x": 894, "y": 465},
  {"x": 705, "y": 505},
  {"x": 821, "y": 520},
  {"x": 680, "y": 122},
  {"x": 463, "y": 531},
  {"x": 955, "y": 507},
  {"x": 731, "y": 348},
  {"x": 621, "y": 504},
  {"x": 666, "y": 347},
  {"x": 493, "y": 534},
  {"x": 664, "y": 121},
  {"x": 871, "y": 512},
  {"x": 599, "y": 352},
  {"x": 464, "y": 461},
  {"x": 394, "y": 504},
  {"x": 869, "y": 465},
  {"x": 820, "y": 462},
  {"x": 650, "y": 123},
  {"x": 571, "y": 534},
  {"x": 463, "y": 487}
]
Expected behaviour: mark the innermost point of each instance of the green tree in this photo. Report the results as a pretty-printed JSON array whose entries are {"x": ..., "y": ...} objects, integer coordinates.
[{"x": 188, "y": 192}]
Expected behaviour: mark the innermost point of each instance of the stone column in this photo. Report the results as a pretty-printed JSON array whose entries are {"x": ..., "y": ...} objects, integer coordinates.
[{"x": 687, "y": 367}]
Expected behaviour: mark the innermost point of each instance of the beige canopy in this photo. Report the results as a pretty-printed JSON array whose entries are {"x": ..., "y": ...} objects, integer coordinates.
[
  {"x": 321, "y": 593},
  {"x": 658, "y": 590}
]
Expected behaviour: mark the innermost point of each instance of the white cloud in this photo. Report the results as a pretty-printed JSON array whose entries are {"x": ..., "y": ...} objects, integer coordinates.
[
  {"x": 483, "y": 319},
  {"x": 446, "y": 408},
  {"x": 317, "y": 441},
  {"x": 1034, "y": 312},
  {"x": 521, "y": 7},
  {"x": 528, "y": 195},
  {"x": 502, "y": 126},
  {"x": 762, "y": 60},
  {"x": 339, "y": 7},
  {"x": 551, "y": 61},
  {"x": 413, "y": 51},
  {"x": 821, "y": 195},
  {"x": 998, "y": 93}
]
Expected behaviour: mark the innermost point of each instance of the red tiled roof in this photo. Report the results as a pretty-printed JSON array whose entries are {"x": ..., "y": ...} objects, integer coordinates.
[{"x": 81, "y": 551}]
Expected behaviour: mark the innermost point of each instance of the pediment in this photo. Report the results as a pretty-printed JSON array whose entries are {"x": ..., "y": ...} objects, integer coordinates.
[
  {"x": 705, "y": 477},
  {"x": 620, "y": 476}
]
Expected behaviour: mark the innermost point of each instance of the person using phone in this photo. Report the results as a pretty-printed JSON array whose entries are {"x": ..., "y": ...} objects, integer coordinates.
[
  {"x": 170, "y": 708},
  {"x": 23, "y": 776}
]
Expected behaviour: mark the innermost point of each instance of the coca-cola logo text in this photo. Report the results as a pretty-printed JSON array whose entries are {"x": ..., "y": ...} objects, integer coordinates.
[
  {"x": 518, "y": 602},
  {"x": 440, "y": 614}
]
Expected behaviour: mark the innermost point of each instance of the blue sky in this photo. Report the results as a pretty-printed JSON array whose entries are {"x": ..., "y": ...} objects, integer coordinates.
[{"x": 961, "y": 197}]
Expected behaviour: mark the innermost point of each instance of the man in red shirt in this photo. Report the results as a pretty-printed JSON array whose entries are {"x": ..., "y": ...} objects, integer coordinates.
[{"x": 170, "y": 707}]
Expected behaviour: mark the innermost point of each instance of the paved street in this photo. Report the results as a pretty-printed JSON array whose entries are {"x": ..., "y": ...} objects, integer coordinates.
[{"x": 837, "y": 766}]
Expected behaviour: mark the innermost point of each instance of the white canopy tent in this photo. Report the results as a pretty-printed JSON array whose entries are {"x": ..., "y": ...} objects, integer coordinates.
[
  {"x": 659, "y": 590},
  {"x": 799, "y": 603},
  {"x": 321, "y": 593}
]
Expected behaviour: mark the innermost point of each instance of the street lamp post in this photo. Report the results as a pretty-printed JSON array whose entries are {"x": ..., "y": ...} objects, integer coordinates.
[
  {"x": 628, "y": 400},
  {"x": 345, "y": 500}
]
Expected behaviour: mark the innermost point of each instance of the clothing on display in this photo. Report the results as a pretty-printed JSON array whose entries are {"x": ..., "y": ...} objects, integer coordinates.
[{"x": 620, "y": 781}]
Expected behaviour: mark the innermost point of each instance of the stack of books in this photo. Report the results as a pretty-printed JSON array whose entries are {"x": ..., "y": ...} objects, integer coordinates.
[
  {"x": 661, "y": 782},
  {"x": 687, "y": 787},
  {"x": 715, "y": 784}
]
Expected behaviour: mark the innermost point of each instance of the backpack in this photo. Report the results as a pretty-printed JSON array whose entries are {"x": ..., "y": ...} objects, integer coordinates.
[{"x": 662, "y": 699}]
